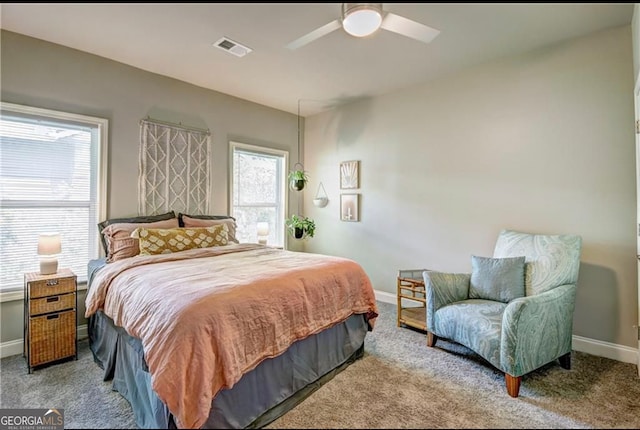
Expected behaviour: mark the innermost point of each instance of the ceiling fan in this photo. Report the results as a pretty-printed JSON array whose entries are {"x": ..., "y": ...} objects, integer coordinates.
[{"x": 364, "y": 19}]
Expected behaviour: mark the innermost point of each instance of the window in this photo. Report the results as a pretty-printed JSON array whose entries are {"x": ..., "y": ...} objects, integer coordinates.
[
  {"x": 51, "y": 180},
  {"x": 258, "y": 191}
]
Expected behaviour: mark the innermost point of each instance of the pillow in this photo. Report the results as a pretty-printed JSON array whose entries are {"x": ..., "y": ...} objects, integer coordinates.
[
  {"x": 165, "y": 241},
  {"x": 121, "y": 245},
  {"x": 137, "y": 219},
  {"x": 499, "y": 279},
  {"x": 209, "y": 221},
  {"x": 208, "y": 217}
]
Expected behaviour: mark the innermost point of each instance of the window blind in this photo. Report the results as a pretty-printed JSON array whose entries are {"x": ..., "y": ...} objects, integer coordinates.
[{"x": 48, "y": 183}]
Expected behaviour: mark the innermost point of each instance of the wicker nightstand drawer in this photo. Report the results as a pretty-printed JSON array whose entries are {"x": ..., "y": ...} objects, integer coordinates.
[
  {"x": 47, "y": 305},
  {"x": 49, "y": 317},
  {"x": 50, "y": 287},
  {"x": 52, "y": 337}
]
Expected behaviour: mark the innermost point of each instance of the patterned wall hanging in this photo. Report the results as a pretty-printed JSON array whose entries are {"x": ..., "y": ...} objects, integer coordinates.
[{"x": 174, "y": 169}]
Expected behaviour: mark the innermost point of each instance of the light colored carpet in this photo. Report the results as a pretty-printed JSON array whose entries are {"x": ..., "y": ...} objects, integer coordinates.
[{"x": 400, "y": 383}]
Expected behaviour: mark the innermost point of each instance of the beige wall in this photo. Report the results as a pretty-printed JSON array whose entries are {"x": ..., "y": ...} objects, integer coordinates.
[
  {"x": 539, "y": 142},
  {"x": 38, "y": 73}
]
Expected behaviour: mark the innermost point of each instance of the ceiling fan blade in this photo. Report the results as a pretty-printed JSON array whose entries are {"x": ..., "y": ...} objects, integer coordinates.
[
  {"x": 409, "y": 28},
  {"x": 315, "y": 34}
]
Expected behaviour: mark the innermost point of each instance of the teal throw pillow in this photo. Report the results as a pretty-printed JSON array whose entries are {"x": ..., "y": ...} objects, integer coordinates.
[{"x": 499, "y": 279}]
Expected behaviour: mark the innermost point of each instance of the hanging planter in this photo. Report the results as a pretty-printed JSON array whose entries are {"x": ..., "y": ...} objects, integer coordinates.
[
  {"x": 301, "y": 227},
  {"x": 298, "y": 178},
  {"x": 321, "y": 200}
]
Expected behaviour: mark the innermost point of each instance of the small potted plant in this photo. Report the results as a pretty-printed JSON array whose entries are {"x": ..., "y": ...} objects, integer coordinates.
[
  {"x": 298, "y": 179},
  {"x": 301, "y": 227}
]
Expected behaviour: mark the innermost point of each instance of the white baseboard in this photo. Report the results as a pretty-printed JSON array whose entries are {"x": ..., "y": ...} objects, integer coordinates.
[
  {"x": 14, "y": 347},
  {"x": 82, "y": 332},
  {"x": 385, "y": 297},
  {"x": 613, "y": 351}
]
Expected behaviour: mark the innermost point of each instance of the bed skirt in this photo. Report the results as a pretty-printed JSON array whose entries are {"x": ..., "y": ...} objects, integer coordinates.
[{"x": 261, "y": 396}]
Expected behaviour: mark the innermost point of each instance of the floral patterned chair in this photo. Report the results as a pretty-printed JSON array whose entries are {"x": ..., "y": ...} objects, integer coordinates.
[{"x": 514, "y": 309}]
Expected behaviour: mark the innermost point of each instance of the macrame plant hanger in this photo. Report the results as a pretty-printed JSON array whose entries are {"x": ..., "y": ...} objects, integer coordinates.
[
  {"x": 299, "y": 163},
  {"x": 298, "y": 177}
]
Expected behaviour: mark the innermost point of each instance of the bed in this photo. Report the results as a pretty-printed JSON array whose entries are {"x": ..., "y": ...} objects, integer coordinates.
[{"x": 229, "y": 336}]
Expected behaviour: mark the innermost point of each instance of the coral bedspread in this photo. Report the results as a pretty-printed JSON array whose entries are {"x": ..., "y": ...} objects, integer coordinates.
[{"x": 207, "y": 316}]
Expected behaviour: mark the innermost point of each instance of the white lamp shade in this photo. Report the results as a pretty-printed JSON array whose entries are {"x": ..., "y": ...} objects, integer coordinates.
[
  {"x": 263, "y": 228},
  {"x": 362, "y": 21},
  {"x": 49, "y": 244}
]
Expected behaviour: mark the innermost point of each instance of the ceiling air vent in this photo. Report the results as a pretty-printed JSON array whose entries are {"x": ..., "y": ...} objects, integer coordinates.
[{"x": 232, "y": 47}]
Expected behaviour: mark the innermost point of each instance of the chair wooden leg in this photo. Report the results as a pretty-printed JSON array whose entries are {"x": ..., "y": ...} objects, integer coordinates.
[
  {"x": 513, "y": 384},
  {"x": 431, "y": 339},
  {"x": 565, "y": 361}
]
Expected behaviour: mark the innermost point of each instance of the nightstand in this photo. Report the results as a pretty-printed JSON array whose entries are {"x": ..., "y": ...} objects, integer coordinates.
[
  {"x": 410, "y": 286},
  {"x": 49, "y": 317}
]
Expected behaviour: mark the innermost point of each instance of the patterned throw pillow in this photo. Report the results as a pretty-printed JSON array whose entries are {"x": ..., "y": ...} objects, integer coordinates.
[
  {"x": 164, "y": 241},
  {"x": 189, "y": 221}
]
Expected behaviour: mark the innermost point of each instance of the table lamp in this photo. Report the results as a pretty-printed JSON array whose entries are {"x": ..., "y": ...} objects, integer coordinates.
[
  {"x": 48, "y": 248},
  {"x": 263, "y": 232}
]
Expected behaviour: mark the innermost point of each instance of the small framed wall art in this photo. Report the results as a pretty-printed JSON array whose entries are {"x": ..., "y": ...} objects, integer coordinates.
[
  {"x": 349, "y": 210},
  {"x": 349, "y": 174}
]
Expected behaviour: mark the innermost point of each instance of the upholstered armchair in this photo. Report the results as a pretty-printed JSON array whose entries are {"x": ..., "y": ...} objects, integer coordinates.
[{"x": 514, "y": 309}]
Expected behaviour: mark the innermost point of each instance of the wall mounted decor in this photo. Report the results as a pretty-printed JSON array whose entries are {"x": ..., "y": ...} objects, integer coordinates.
[
  {"x": 349, "y": 207},
  {"x": 349, "y": 174},
  {"x": 175, "y": 164}
]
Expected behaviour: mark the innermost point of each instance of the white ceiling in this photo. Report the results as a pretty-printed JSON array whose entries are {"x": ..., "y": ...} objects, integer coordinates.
[{"x": 176, "y": 40}]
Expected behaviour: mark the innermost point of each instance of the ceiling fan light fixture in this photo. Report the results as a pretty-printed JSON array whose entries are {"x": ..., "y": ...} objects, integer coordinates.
[{"x": 361, "y": 19}]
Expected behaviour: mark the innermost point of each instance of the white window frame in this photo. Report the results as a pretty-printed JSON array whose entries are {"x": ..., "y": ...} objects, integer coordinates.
[
  {"x": 283, "y": 191},
  {"x": 102, "y": 124}
]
